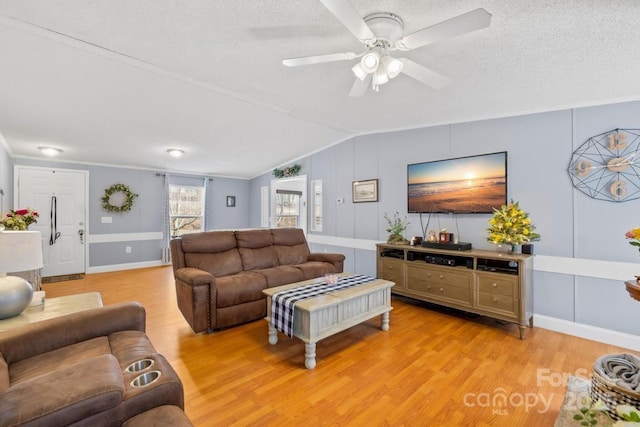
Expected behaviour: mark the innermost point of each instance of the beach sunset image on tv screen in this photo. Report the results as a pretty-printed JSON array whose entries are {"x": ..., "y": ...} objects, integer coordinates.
[{"x": 474, "y": 184}]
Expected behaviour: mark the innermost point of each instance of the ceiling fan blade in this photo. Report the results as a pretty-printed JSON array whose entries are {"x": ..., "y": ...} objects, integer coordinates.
[
  {"x": 359, "y": 87},
  {"x": 424, "y": 75},
  {"x": 350, "y": 18},
  {"x": 461, "y": 24},
  {"x": 317, "y": 59}
]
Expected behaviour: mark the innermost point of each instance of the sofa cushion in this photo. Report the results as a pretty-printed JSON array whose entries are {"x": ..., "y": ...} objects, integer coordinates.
[
  {"x": 62, "y": 358},
  {"x": 4, "y": 374},
  {"x": 209, "y": 242},
  {"x": 254, "y": 238},
  {"x": 165, "y": 415},
  {"x": 256, "y": 249},
  {"x": 66, "y": 395},
  {"x": 241, "y": 313},
  {"x": 212, "y": 251},
  {"x": 290, "y": 246},
  {"x": 313, "y": 269},
  {"x": 218, "y": 263},
  {"x": 281, "y": 275},
  {"x": 239, "y": 288}
]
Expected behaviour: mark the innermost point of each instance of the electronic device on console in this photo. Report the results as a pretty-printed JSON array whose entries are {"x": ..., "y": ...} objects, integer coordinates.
[
  {"x": 497, "y": 265},
  {"x": 393, "y": 254}
]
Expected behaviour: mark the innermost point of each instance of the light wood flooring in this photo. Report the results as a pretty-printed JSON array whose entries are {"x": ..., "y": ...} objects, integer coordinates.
[{"x": 434, "y": 367}]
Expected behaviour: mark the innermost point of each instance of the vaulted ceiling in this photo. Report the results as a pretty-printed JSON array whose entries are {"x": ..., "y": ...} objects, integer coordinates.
[{"x": 118, "y": 82}]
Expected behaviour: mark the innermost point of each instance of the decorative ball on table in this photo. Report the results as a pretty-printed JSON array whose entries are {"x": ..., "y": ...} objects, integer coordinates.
[{"x": 19, "y": 251}]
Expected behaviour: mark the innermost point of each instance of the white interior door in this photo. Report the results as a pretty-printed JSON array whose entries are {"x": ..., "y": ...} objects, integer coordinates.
[{"x": 59, "y": 197}]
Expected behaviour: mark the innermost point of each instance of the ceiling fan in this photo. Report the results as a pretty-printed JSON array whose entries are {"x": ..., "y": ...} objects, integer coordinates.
[{"x": 381, "y": 33}]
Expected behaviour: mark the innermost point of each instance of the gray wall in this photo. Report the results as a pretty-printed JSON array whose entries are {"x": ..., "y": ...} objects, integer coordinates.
[
  {"x": 139, "y": 228},
  {"x": 539, "y": 149}
]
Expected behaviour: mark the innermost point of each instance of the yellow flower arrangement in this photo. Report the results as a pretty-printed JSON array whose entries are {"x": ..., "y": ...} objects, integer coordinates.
[{"x": 511, "y": 225}]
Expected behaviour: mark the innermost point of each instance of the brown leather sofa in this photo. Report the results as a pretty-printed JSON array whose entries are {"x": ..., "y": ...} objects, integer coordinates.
[
  {"x": 73, "y": 370},
  {"x": 220, "y": 275}
]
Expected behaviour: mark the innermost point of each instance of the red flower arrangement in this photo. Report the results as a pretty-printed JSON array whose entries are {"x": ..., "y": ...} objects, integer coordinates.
[{"x": 20, "y": 219}]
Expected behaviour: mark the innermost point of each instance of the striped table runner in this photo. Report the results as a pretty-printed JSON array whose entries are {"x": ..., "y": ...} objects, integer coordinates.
[{"x": 283, "y": 302}]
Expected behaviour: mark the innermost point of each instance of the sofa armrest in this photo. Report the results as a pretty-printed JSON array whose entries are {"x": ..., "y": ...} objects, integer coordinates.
[
  {"x": 336, "y": 259},
  {"x": 194, "y": 276},
  {"x": 40, "y": 337},
  {"x": 65, "y": 396},
  {"x": 196, "y": 293}
]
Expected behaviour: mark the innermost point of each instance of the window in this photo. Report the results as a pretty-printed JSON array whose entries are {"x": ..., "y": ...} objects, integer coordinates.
[
  {"x": 186, "y": 204},
  {"x": 287, "y": 208},
  {"x": 316, "y": 205}
]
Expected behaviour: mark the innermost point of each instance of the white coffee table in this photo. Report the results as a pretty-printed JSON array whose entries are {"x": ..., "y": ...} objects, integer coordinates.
[
  {"x": 319, "y": 317},
  {"x": 53, "y": 307}
]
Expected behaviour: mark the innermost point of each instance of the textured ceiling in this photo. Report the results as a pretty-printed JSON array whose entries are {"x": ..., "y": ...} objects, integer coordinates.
[{"x": 120, "y": 81}]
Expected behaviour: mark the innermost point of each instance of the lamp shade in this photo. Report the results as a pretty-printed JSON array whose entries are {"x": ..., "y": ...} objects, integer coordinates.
[
  {"x": 370, "y": 61},
  {"x": 20, "y": 251}
]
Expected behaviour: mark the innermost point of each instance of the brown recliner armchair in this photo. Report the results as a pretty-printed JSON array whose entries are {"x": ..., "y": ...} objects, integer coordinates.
[{"x": 84, "y": 369}]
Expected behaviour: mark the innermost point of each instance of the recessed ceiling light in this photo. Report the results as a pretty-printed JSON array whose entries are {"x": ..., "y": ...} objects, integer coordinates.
[
  {"x": 50, "y": 151},
  {"x": 175, "y": 152}
]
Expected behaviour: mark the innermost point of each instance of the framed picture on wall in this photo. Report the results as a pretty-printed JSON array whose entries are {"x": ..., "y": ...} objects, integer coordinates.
[
  {"x": 365, "y": 191},
  {"x": 231, "y": 201}
]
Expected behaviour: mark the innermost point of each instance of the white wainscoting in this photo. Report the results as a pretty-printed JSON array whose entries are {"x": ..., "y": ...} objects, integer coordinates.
[{"x": 123, "y": 237}]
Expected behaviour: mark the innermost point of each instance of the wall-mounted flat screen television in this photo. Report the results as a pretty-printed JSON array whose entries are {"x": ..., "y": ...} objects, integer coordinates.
[{"x": 473, "y": 184}]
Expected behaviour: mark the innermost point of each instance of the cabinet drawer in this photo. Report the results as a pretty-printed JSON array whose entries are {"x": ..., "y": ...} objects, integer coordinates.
[
  {"x": 498, "y": 285},
  {"x": 440, "y": 276},
  {"x": 441, "y": 292},
  {"x": 393, "y": 270},
  {"x": 497, "y": 303},
  {"x": 391, "y": 266}
]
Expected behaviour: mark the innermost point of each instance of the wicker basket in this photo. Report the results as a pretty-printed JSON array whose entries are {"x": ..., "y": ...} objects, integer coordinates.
[{"x": 605, "y": 390}]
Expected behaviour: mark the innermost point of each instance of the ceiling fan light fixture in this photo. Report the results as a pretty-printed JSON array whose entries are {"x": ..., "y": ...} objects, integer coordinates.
[
  {"x": 370, "y": 61},
  {"x": 392, "y": 66},
  {"x": 50, "y": 151},
  {"x": 380, "y": 78},
  {"x": 175, "y": 152},
  {"x": 359, "y": 72}
]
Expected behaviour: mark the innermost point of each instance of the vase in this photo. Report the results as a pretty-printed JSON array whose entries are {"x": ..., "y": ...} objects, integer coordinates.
[
  {"x": 507, "y": 248},
  {"x": 397, "y": 239}
]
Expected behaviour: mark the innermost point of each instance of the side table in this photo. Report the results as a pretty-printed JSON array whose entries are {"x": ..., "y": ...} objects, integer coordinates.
[{"x": 53, "y": 307}]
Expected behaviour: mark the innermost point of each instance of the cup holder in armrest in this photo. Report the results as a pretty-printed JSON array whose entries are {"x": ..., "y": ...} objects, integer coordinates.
[
  {"x": 139, "y": 365},
  {"x": 145, "y": 379}
]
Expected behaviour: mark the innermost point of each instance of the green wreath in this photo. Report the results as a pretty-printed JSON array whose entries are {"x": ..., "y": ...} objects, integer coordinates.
[{"x": 126, "y": 204}]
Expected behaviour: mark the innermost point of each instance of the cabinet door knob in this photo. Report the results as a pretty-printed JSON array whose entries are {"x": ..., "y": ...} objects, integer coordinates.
[
  {"x": 441, "y": 290},
  {"x": 495, "y": 285},
  {"x": 391, "y": 267},
  {"x": 428, "y": 286},
  {"x": 442, "y": 276},
  {"x": 495, "y": 299}
]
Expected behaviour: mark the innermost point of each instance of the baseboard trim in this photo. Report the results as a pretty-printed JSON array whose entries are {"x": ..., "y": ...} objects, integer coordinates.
[
  {"x": 592, "y": 333},
  {"x": 127, "y": 266}
]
